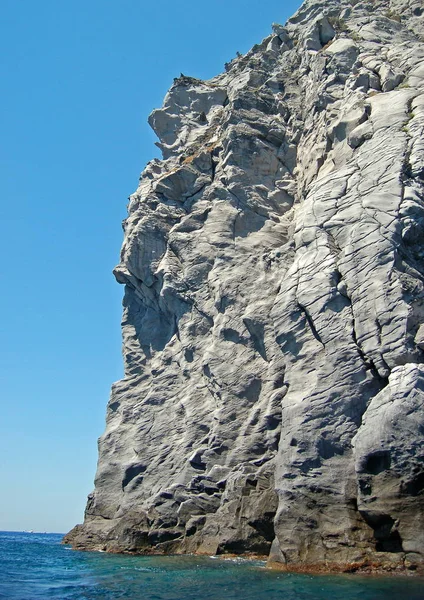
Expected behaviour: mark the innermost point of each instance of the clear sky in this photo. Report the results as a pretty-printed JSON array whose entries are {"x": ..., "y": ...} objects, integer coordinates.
[{"x": 78, "y": 80}]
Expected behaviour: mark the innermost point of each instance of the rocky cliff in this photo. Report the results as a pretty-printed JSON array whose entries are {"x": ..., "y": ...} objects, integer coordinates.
[{"x": 273, "y": 327}]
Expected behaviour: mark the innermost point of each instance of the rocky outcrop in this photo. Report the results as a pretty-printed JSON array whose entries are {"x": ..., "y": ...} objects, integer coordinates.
[{"x": 273, "y": 328}]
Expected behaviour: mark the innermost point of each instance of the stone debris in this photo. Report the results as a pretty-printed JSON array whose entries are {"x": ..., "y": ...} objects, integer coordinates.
[{"x": 273, "y": 327}]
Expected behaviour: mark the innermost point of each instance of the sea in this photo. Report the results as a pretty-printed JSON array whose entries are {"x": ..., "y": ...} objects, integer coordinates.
[{"x": 37, "y": 566}]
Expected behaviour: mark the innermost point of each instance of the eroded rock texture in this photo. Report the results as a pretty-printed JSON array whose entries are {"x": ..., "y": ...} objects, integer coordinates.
[{"x": 273, "y": 315}]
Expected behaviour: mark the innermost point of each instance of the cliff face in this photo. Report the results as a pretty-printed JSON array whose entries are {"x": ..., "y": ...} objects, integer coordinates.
[{"x": 274, "y": 310}]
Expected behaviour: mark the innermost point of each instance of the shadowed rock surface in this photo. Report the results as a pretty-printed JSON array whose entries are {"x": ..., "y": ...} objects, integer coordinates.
[{"x": 273, "y": 328}]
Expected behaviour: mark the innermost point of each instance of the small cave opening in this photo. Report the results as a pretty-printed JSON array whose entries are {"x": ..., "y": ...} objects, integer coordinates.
[
  {"x": 377, "y": 462},
  {"x": 386, "y": 535},
  {"x": 265, "y": 526},
  {"x": 131, "y": 472}
]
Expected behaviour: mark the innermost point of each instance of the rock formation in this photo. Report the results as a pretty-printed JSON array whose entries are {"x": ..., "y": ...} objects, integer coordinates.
[{"x": 273, "y": 328}]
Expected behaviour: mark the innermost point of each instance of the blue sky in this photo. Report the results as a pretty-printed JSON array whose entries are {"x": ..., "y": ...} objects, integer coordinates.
[{"x": 78, "y": 80}]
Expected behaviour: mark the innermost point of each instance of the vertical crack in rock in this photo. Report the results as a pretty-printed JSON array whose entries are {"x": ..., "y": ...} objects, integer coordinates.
[
  {"x": 311, "y": 324},
  {"x": 273, "y": 327}
]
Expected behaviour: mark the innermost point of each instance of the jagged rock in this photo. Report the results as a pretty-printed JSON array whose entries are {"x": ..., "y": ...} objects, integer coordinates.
[{"x": 274, "y": 309}]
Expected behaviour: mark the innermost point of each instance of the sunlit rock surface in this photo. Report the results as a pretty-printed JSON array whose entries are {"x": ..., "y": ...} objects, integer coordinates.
[{"x": 273, "y": 328}]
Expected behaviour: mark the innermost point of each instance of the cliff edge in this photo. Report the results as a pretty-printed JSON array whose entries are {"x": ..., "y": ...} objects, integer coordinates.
[{"x": 273, "y": 327}]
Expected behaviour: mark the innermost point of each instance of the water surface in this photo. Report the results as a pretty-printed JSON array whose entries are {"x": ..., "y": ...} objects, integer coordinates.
[{"x": 38, "y": 567}]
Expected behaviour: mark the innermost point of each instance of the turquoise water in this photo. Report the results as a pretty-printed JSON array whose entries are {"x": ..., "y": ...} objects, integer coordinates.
[{"x": 38, "y": 567}]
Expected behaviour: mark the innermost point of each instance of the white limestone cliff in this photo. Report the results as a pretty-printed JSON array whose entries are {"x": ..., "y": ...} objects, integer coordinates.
[{"x": 273, "y": 328}]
